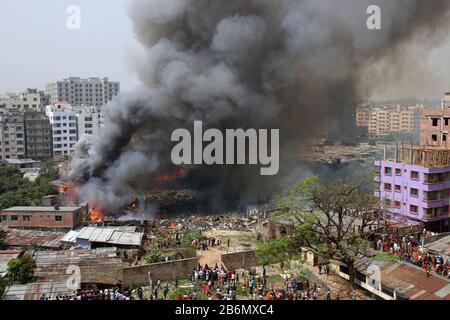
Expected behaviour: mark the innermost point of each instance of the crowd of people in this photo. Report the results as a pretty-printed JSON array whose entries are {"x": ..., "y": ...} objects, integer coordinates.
[
  {"x": 407, "y": 249},
  {"x": 217, "y": 283},
  {"x": 92, "y": 294}
]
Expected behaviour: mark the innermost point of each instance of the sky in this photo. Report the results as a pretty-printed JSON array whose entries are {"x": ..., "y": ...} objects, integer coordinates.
[{"x": 37, "y": 47}]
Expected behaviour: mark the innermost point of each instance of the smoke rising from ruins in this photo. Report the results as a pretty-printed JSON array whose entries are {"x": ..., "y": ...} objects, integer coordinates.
[{"x": 296, "y": 65}]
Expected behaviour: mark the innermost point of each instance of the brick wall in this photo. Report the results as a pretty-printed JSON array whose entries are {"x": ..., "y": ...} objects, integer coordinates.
[
  {"x": 237, "y": 260},
  {"x": 164, "y": 271},
  {"x": 42, "y": 219}
]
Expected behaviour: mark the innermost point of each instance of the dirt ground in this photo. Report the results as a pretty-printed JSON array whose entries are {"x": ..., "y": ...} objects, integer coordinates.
[{"x": 239, "y": 241}]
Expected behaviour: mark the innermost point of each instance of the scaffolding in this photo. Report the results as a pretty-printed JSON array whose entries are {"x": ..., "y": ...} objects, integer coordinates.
[{"x": 422, "y": 156}]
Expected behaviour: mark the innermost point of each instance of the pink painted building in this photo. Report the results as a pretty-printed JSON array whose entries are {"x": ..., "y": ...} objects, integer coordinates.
[{"x": 412, "y": 190}]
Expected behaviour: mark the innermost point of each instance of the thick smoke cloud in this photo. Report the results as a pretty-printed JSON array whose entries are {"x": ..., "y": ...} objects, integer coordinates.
[{"x": 293, "y": 65}]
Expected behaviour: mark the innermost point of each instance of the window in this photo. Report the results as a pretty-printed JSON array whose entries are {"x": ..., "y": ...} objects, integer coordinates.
[
  {"x": 398, "y": 172},
  {"x": 444, "y": 137},
  {"x": 388, "y": 171},
  {"x": 413, "y": 209},
  {"x": 397, "y": 204},
  {"x": 446, "y": 121},
  {"x": 435, "y": 122},
  {"x": 26, "y": 218},
  {"x": 3, "y": 218},
  {"x": 434, "y": 138},
  {"x": 58, "y": 218},
  {"x": 398, "y": 188},
  {"x": 414, "y": 192},
  {"x": 414, "y": 175},
  {"x": 387, "y": 202},
  {"x": 387, "y": 187},
  {"x": 14, "y": 218}
]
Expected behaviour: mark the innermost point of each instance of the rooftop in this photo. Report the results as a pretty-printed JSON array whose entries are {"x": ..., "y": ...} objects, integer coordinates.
[
  {"x": 106, "y": 235},
  {"x": 42, "y": 209},
  {"x": 441, "y": 246},
  {"x": 43, "y": 239}
]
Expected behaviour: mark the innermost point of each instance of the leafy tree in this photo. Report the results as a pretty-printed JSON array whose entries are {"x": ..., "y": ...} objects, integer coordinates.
[
  {"x": 153, "y": 256},
  {"x": 277, "y": 250},
  {"x": 3, "y": 285},
  {"x": 48, "y": 171},
  {"x": 15, "y": 190},
  {"x": 329, "y": 218},
  {"x": 190, "y": 235},
  {"x": 21, "y": 269}
]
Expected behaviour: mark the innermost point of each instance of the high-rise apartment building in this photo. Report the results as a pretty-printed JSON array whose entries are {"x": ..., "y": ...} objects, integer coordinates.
[
  {"x": 89, "y": 120},
  {"x": 64, "y": 123},
  {"x": 12, "y": 135},
  {"x": 38, "y": 136},
  {"x": 387, "y": 120},
  {"x": 77, "y": 91}
]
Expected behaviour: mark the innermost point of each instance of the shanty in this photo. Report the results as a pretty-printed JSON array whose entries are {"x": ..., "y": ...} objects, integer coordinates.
[{"x": 93, "y": 237}]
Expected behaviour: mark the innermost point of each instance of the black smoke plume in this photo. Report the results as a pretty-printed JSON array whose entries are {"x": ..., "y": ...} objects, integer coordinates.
[{"x": 292, "y": 65}]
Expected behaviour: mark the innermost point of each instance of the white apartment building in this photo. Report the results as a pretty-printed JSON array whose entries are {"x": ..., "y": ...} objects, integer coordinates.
[
  {"x": 31, "y": 99},
  {"x": 64, "y": 124},
  {"x": 89, "y": 120},
  {"x": 12, "y": 135},
  {"x": 389, "y": 119},
  {"x": 77, "y": 91}
]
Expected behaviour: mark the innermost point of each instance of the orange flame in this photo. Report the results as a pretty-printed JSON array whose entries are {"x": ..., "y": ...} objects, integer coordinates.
[
  {"x": 96, "y": 214},
  {"x": 178, "y": 173}
]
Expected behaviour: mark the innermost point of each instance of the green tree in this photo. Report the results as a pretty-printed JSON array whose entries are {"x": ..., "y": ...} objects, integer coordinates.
[
  {"x": 277, "y": 250},
  {"x": 21, "y": 269},
  {"x": 48, "y": 171},
  {"x": 153, "y": 256},
  {"x": 330, "y": 218},
  {"x": 15, "y": 190}
]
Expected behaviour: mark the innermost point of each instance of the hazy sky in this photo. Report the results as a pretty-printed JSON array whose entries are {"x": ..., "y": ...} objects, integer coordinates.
[{"x": 37, "y": 47}]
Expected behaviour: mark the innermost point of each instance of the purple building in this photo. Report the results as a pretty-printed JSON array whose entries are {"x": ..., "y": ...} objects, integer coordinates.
[{"x": 412, "y": 192}]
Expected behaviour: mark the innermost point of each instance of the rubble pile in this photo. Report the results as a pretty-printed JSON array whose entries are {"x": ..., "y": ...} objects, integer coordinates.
[{"x": 230, "y": 221}]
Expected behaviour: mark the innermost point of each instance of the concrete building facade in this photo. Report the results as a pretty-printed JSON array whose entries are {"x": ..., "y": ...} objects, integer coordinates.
[
  {"x": 31, "y": 99},
  {"x": 89, "y": 120},
  {"x": 382, "y": 121},
  {"x": 38, "y": 136},
  {"x": 12, "y": 135},
  {"x": 64, "y": 123},
  {"x": 77, "y": 91}
]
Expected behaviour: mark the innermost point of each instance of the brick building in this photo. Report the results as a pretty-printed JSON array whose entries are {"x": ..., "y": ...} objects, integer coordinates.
[
  {"x": 42, "y": 218},
  {"x": 435, "y": 125}
]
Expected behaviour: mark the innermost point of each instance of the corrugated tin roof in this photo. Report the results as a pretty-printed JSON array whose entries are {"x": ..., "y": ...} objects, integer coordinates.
[
  {"x": 19, "y": 237},
  {"x": 33, "y": 291},
  {"x": 71, "y": 236},
  {"x": 441, "y": 246},
  {"x": 102, "y": 265},
  {"x": 106, "y": 235}
]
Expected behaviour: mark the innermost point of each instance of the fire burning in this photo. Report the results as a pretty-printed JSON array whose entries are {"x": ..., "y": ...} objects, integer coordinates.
[
  {"x": 168, "y": 177},
  {"x": 96, "y": 214}
]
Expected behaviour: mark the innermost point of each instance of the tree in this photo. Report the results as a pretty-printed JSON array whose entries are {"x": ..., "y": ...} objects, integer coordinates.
[
  {"x": 277, "y": 250},
  {"x": 21, "y": 269},
  {"x": 15, "y": 190},
  {"x": 48, "y": 171},
  {"x": 330, "y": 218},
  {"x": 153, "y": 256}
]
